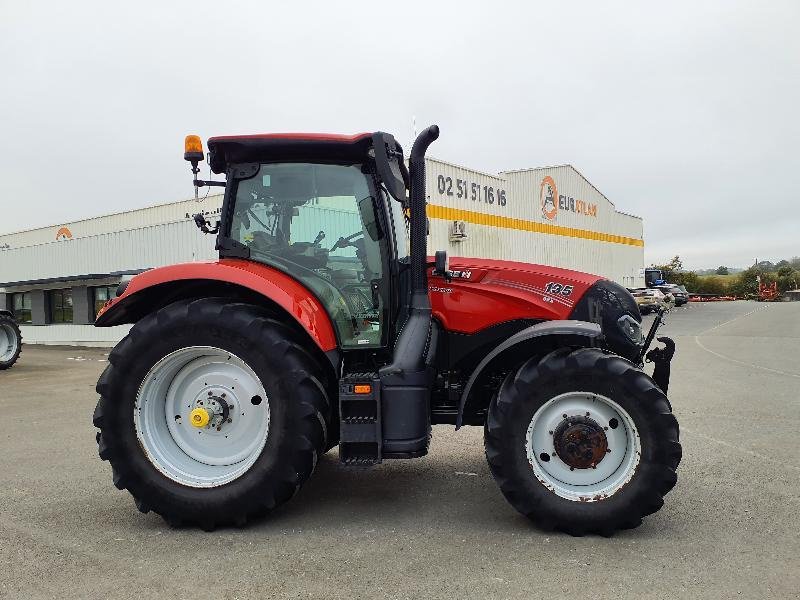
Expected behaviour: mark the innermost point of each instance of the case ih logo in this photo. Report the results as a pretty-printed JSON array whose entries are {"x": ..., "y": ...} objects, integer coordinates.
[{"x": 551, "y": 202}]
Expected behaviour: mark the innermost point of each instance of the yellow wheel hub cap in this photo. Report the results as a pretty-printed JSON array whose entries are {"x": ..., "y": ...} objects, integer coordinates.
[{"x": 199, "y": 417}]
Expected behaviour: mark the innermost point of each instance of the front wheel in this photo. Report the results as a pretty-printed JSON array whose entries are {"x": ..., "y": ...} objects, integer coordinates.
[
  {"x": 583, "y": 442},
  {"x": 211, "y": 413}
]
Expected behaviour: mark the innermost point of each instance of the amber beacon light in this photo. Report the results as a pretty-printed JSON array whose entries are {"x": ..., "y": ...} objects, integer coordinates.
[{"x": 193, "y": 148}]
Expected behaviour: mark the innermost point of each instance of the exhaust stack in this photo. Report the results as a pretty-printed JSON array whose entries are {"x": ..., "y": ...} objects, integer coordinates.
[
  {"x": 406, "y": 382},
  {"x": 419, "y": 219}
]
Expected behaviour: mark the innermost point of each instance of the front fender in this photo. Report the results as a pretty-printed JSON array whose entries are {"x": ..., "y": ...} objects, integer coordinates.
[
  {"x": 289, "y": 294},
  {"x": 549, "y": 335}
]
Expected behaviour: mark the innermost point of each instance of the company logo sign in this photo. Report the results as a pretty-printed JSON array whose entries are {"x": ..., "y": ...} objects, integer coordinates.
[
  {"x": 547, "y": 198},
  {"x": 63, "y": 234},
  {"x": 552, "y": 202}
]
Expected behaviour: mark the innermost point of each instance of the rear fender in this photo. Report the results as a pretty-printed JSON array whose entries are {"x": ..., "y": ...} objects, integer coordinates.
[
  {"x": 247, "y": 280},
  {"x": 537, "y": 339}
]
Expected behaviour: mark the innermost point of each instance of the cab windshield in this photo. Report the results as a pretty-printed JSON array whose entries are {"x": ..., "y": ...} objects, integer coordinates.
[{"x": 317, "y": 223}]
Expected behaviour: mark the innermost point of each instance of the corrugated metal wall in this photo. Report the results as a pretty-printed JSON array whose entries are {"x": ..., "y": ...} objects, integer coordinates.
[
  {"x": 74, "y": 335},
  {"x": 505, "y": 220},
  {"x": 135, "y": 219},
  {"x": 134, "y": 249},
  {"x": 503, "y": 214},
  {"x": 151, "y": 246}
]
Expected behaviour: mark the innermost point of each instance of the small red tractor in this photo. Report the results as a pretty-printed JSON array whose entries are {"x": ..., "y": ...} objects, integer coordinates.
[
  {"x": 10, "y": 340},
  {"x": 239, "y": 373}
]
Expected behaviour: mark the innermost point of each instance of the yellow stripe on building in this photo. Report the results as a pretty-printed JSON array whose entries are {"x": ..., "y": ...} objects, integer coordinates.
[{"x": 455, "y": 214}]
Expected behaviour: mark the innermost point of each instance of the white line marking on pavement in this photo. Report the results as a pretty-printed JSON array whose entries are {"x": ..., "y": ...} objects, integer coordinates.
[
  {"x": 752, "y": 453},
  {"x": 734, "y": 360},
  {"x": 755, "y": 310},
  {"x": 746, "y": 364}
]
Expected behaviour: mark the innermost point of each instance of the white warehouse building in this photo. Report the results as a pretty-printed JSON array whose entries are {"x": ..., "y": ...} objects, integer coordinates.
[{"x": 55, "y": 278}]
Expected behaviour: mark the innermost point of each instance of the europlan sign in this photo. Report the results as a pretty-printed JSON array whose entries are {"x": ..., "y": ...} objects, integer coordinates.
[{"x": 552, "y": 203}]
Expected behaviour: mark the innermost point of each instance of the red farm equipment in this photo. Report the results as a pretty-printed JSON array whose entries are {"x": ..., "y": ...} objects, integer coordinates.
[
  {"x": 768, "y": 292},
  {"x": 239, "y": 373}
]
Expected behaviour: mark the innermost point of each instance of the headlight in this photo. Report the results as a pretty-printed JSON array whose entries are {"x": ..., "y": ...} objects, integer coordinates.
[{"x": 631, "y": 328}]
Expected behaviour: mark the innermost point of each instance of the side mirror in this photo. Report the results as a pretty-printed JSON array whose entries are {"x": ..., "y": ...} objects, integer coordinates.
[
  {"x": 441, "y": 266},
  {"x": 389, "y": 164}
]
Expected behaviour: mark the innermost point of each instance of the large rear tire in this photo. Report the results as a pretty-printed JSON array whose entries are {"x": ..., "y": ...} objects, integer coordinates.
[
  {"x": 582, "y": 441},
  {"x": 211, "y": 413},
  {"x": 10, "y": 341}
]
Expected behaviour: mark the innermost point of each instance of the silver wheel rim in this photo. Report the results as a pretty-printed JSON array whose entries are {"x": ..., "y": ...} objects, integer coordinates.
[
  {"x": 223, "y": 385},
  {"x": 610, "y": 474},
  {"x": 8, "y": 343}
]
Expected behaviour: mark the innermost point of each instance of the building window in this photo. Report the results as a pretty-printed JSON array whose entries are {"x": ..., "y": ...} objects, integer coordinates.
[
  {"x": 102, "y": 295},
  {"x": 21, "y": 305},
  {"x": 61, "y": 306}
]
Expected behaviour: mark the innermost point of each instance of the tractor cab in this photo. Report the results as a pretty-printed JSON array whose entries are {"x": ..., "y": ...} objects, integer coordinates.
[{"x": 318, "y": 207}]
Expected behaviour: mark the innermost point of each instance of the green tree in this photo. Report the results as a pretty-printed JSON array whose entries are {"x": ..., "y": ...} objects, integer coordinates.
[
  {"x": 746, "y": 284},
  {"x": 722, "y": 271},
  {"x": 766, "y": 266},
  {"x": 788, "y": 279},
  {"x": 690, "y": 280},
  {"x": 671, "y": 268},
  {"x": 713, "y": 285}
]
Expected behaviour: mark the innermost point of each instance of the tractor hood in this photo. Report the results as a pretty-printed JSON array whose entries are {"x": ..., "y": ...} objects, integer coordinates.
[{"x": 483, "y": 292}]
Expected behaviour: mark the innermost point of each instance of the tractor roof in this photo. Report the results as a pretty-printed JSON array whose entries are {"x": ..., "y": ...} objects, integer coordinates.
[{"x": 261, "y": 147}]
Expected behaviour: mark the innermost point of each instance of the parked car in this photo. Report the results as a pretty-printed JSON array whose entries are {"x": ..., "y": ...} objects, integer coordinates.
[
  {"x": 678, "y": 292},
  {"x": 650, "y": 299}
]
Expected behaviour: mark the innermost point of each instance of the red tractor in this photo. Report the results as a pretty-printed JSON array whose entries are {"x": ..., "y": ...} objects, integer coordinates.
[{"x": 239, "y": 373}]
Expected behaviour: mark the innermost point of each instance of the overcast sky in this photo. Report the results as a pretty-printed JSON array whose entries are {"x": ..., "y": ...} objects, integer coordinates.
[{"x": 685, "y": 113}]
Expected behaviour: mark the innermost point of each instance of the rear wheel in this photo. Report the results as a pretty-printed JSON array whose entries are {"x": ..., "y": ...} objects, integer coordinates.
[
  {"x": 10, "y": 341},
  {"x": 583, "y": 442},
  {"x": 211, "y": 413}
]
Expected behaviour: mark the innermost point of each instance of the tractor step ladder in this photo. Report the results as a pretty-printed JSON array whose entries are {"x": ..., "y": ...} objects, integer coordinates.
[{"x": 360, "y": 432}]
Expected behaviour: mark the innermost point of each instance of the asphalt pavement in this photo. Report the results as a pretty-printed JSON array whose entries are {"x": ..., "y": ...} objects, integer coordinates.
[{"x": 435, "y": 527}]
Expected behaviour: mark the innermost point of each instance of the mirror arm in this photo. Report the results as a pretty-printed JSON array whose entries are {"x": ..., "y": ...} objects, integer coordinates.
[
  {"x": 201, "y": 183},
  {"x": 203, "y": 225}
]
